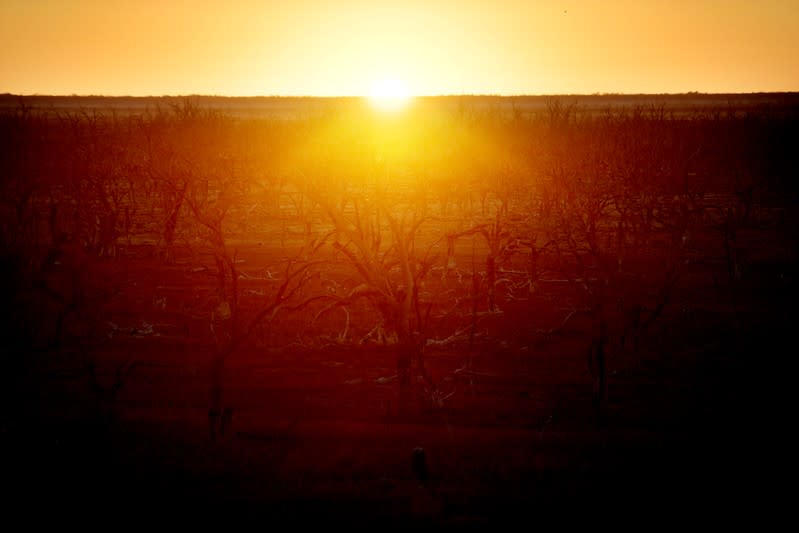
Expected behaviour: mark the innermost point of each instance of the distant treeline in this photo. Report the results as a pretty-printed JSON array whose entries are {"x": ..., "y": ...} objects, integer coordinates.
[{"x": 290, "y": 105}]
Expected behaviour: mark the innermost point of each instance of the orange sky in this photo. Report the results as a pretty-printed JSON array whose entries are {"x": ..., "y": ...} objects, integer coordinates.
[{"x": 341, "y": 47}]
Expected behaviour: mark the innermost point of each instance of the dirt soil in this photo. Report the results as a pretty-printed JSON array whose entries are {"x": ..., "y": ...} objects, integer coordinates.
[{"x": 318, "y": 434}]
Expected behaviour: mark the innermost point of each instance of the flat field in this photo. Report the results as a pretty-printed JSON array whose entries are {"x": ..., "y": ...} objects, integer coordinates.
[{"x": 474, "y": 310}]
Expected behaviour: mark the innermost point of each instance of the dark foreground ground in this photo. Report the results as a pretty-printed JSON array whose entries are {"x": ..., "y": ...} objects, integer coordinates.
[
  {"x": 698, "y": 420},
  {"x": 104, "y": 418},
  {"x": 697, "y": 424}
]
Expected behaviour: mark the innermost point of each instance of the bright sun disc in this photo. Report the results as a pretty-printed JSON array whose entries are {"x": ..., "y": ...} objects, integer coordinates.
[{"x": 389, "y": 95}]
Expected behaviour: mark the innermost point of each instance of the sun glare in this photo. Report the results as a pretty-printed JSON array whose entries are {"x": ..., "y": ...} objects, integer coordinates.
[{"x": 389, "y": 95}]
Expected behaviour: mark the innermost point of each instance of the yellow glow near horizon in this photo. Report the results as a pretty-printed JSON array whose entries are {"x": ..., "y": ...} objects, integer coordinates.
[
  {"x": 389, "y": 94},
  {"x": 324, "y": 48}
]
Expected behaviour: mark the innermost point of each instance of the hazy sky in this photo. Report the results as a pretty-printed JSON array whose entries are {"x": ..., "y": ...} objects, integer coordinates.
[{"x": 341, "y": 47}]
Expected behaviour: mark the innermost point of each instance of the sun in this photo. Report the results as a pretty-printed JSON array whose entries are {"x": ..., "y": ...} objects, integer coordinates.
[{"x": 389, "y": 94}]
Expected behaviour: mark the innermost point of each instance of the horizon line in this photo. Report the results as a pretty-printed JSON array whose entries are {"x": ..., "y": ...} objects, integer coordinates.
[{"x": 441, "y": 95}]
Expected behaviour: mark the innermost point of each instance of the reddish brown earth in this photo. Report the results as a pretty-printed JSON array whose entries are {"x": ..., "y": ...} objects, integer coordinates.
[
  {"x": 318, "y": 433},
  {"x": 687, "y": 214}
]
